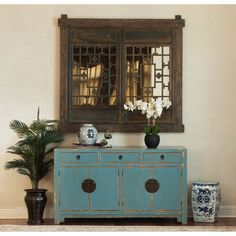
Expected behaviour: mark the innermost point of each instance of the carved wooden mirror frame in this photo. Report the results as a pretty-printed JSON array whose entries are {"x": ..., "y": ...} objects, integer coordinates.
[{"x": 119, "y": 36}]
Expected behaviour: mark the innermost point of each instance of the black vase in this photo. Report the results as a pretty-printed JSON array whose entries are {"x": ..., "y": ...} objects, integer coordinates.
[
  {"x": 152, "y": 140},
  {"x": 35, "y": 201}
]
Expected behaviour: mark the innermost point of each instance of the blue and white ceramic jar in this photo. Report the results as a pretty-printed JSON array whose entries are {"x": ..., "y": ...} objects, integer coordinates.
[
  {"x": 87, "y": 134},
  {"x": 205, "y": 201}
]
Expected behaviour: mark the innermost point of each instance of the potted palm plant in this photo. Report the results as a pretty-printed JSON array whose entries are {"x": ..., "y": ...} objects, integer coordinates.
[{"x": 36, "y": 142}]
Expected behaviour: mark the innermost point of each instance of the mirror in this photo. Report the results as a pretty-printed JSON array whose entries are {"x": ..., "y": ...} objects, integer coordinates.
[
  {"x": 105, "y": 63},
  {"x": 147, "y": 72},
  {"x": 94, "y": 79}
]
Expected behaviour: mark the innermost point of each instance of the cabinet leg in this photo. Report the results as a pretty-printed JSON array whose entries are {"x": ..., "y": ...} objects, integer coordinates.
[
  {"x": 58, "y": 220},
  {"x": 179, "y": 219},
  {"x": 182, "y": 219}
]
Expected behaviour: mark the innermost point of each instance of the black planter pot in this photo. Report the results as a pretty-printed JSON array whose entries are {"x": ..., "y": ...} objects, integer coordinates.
[
  {"x": 152, "y": 141},
  {"x": 35, "y": 201}
]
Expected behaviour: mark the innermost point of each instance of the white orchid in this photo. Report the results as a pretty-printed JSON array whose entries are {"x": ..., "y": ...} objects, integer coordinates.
[
  {"x": 158, "y": 102},
  {"x": 129, "y": 106},
  {"x": 166, "y": 103},
  {"x": 150, "y": 113},
  {"x": 138, "y": 104},
  {"x": 143, "y": 107},
  {"x": 152, "y": 109},
  {"x": 158, "y": 110}
]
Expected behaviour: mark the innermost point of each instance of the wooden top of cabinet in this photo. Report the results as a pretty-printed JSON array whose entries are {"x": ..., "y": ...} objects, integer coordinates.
[{"x": 122, "y": 148}]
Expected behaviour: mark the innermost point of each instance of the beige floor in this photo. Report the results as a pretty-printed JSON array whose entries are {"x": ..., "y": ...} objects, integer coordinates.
[
  {"x": 106, "y": 228},
  {"x": 129, "y": 225}
]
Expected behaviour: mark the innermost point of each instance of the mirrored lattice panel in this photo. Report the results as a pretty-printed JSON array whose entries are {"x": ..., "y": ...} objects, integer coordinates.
[
  {"x": 147, "y": 72},
  {"x": 94, "y": 75}
]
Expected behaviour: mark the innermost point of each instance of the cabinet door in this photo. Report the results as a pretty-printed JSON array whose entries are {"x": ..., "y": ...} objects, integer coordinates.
[
  {"x": 89, "y": 188},
  {"x": 151, "y": 188}
]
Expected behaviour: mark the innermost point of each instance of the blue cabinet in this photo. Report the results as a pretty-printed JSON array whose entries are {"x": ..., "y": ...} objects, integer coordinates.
[{"x": 120, "y": 182}]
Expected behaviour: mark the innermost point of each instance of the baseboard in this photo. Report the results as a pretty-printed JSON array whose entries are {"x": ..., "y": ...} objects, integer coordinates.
[{"x": 21, "y": 213}]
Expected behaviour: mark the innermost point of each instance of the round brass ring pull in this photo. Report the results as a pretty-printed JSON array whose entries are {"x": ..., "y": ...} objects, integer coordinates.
[
  {"x": 152, "y": 185},
  {"x": 89, "y": 185}
]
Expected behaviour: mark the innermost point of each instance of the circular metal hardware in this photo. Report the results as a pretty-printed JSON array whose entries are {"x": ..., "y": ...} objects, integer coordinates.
[
  {"x": 120, "y": 157},
  {"x": 162, "y": 157},
  {"x": 152, "y": 185},
  {"x": 89, "y": 185},
  {"x": 78, "y": 157}
]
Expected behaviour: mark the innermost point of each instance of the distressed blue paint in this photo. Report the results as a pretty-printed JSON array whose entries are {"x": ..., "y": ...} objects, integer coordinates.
[
  {"x": 72, "y": 197},
  {"x": 120, "y": 157},
  {"x": 184, "y": 188},
  {"x": 120, "y": 182},
  {"x": 167, "y": 197},
  {"x": 75, "y": 157},
  {"x": 105, "y": 197},
  {"x": 162, "y": 157}
]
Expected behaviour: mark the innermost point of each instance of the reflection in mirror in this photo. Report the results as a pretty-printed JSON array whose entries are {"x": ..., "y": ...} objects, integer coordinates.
[
  {"x": 94, "y": 80},
  {"x": 147, "y": 72}
]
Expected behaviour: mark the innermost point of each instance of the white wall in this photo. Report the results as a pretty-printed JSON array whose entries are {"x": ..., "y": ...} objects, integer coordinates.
[{"x": 29, "y": 77}]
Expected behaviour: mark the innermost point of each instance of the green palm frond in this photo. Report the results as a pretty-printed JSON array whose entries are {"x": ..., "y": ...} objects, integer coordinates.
[
  {"x": 51, "y": 127},
  {"x": 20, "y": 128},
  {"x": 27, "y": 141},
  {"x": 23, "y": 172},
  {"x": 23, "y": 151},
  {"x": 45, "y": 168},
  {"x": 17, "y": 163},
  {"x": 42, "y": 125},
  {"x": 52, "y": 137},
  {"x": 36, "y": 126}
]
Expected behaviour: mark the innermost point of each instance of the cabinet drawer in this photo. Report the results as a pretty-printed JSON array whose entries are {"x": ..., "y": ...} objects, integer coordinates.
[
  {"x": 78, "y": 157},
  {"x": 162, "y": 157},
  {"x": 120, "y": 157}
]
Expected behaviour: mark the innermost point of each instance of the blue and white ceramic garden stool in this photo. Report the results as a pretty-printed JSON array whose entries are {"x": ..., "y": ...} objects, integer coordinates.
[{"x": 205, "y": 201}]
